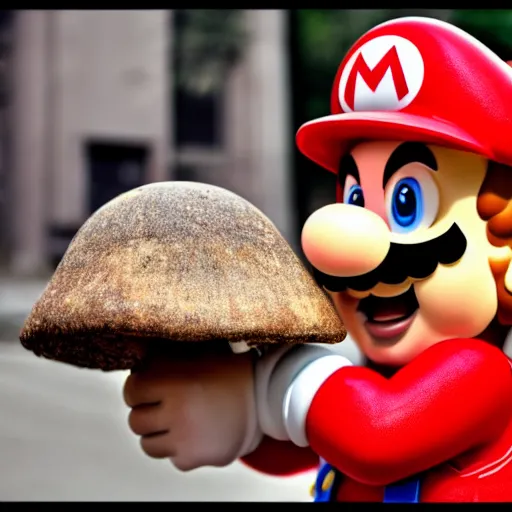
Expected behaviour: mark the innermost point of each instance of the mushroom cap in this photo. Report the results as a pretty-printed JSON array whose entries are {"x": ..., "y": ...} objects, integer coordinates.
[{"x": 175, "y": 262}]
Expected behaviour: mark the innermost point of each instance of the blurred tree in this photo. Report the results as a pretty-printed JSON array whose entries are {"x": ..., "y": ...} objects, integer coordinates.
[
  {"x": 491, "y": 27},
  {"x": 207, "y": 44},
  {"x": 497, "y": 22}
]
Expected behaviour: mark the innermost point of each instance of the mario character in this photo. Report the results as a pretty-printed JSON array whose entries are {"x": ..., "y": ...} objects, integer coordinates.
[{"x": 416, "y": 256}]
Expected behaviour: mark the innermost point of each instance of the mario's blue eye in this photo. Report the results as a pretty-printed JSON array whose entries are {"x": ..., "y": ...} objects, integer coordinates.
[
  {"x": 354, "y": 195},
  {"x": 407, "y": 204},
  {"x": 412, "y": 200}
]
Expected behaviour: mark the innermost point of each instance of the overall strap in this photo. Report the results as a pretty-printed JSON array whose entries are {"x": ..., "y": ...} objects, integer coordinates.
[
  {"x": 324, "y": 488},
  {"x": 405, "y": 491}
]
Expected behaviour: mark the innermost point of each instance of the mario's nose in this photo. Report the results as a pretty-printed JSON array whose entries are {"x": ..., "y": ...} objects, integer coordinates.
[{"x": 345, "y": 240}]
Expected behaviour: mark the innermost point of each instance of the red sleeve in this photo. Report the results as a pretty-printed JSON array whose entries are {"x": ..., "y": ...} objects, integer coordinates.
[
  {"x": 281, "y": 458},
  {"x": 453, "y": 397}
]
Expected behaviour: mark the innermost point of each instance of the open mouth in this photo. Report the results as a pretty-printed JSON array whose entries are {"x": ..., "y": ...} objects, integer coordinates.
[{"x": 389, "y": 317}]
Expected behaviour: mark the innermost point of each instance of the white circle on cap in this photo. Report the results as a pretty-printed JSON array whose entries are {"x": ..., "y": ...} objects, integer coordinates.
[{"x": 385, "y": 73}]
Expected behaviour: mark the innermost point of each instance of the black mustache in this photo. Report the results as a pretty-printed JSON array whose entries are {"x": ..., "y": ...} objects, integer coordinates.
[{"x": 416, "y": 261}]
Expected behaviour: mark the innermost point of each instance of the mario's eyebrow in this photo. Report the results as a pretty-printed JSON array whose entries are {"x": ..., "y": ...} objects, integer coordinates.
[
  {"x": 347, "y": 167},
  {"x": 407, "y": 153}
]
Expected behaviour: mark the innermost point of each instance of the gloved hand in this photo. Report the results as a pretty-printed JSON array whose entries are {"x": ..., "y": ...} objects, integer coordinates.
[{"x": 197, "y": 412}]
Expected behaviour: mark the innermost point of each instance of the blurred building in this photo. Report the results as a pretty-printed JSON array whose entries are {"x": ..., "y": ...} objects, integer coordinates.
[{"x": 88, "y": 109}]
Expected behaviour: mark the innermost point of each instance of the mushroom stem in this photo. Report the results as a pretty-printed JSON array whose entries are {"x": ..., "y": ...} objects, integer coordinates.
[{"x": 239, "y": 347}]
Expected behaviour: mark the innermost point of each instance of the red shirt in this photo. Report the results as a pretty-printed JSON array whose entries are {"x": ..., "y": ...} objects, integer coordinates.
[{"x": 446, "y": 415}]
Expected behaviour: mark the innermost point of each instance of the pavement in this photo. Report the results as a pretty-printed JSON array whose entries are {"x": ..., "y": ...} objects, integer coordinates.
[{"x": 64, "y": 437}]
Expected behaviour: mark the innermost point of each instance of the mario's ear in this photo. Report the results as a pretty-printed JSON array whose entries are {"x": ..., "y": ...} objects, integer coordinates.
[
  {"x": 508, "y": 278},
  {"x": 502, "y": 271}
]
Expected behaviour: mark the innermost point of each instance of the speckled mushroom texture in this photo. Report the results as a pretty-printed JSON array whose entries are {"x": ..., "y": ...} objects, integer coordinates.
[{"x": 175, "y": 262}]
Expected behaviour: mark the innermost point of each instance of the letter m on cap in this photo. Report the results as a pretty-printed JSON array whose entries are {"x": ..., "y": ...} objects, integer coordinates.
[{"x": 373, "y": 77}]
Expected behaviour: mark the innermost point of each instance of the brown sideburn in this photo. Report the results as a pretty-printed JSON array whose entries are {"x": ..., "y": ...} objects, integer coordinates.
[{"x": 494, "y": 204}]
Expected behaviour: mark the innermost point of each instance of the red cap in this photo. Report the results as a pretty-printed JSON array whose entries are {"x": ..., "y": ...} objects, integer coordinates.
[{"x": 416, "y": 79}]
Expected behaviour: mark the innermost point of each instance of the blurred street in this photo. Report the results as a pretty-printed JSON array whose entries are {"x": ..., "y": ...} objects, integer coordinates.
[{"x": 63, "y": 434}]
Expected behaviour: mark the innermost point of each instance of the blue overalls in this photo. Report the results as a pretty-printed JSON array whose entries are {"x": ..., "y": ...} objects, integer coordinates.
[{"x": 325, "y": 487}]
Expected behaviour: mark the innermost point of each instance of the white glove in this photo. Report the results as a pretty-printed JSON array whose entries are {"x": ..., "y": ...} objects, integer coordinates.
[{"x": 197, "y": 412}]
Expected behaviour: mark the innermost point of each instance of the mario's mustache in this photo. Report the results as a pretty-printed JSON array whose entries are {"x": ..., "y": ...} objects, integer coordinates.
[{"x": 417, "y": 261}]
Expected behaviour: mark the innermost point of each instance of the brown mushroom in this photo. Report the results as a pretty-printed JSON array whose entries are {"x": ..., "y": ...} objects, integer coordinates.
[{"x": 175, "y": 262}]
